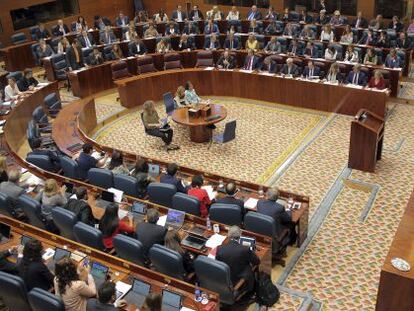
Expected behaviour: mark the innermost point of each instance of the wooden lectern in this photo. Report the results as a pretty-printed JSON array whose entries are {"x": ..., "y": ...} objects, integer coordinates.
[{"x": 367, "y": 135}]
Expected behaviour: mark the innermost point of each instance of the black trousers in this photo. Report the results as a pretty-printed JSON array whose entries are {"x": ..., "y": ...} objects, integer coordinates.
[{"x": 165, "y": 135}]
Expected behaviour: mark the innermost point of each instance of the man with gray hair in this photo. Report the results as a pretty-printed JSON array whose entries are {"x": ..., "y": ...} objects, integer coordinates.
[
  {"x": 240, "y": 259},
  {"x": 272, "y": 208},
  {"x": 12, "y": 189}
]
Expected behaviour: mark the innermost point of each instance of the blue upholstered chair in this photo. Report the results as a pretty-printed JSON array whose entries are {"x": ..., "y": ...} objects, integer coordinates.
[
  {"x": 13, "y": 292},
  {"x": 163, "y": 259},
  {"x": 41, "y": 300},
  {"x": 41, "y": 161},
  {"x": 229, "y": 214},
  {"x": 161, "y": 194},
  {"x": 129, "y": 249},
  {"x": 88, "y": 235},
  {"x": 70, "y": 167},
  {"x": 64, "y": 220},
  {"x": 228, "y": 134},
  {"x": 32, "y": 209},
  {"x": 101, "y": 177},
  {"x": 128, "y": 184},
  {"x": 18, "y": 38},
  {"x": 169, "y": 103},
  {"x": 186, "y": 203}
]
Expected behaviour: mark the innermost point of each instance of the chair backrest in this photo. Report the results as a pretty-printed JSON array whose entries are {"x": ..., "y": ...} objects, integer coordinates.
[
  {"x": 229, "y": 131},
  {"x": 17, "y": 75},
  {"x": 54, "y": 42},
  {"x": 186, "y": 203},
  {"x": 163, "y": 259},
  {"x": 41, "y": 300},
  {"x": 6, "y": 206},
  {"x": 33, "y": 32},
  {"x": 39, "y": 115},
  {"x": 129, "y": 249},
  {"x": 120, "y": 70},
  {"x": 229, "y": 214},
  {"x": 169, "y": 102},
  {"x": 259, "y": 223},
  {"x": 32, "y": 209},
  {"x": 64, "y": 220},
  {"x": 204, "y": 59},
  {"x": 88, "y": 235},
  {"x": 107, "y": 52},
  {"x": 145, "y": 64},
  {"x": 172, "y": 61},
  {"x": 41, "y": 161},
  {"x": 161, "y": 194},
  {"x": 19, "y": 37},
  {"x": 34, "y": 48},
  {"x": 13, "y": 292},
  {"x": 215, "y": 276},
  {"x": 101, "y": 177},
  {"x": 58, "y": 61},
  {"x": 128, "y": 184},
  {"x": 52, "y": 101},
  {"x": 70, "y": 167}
]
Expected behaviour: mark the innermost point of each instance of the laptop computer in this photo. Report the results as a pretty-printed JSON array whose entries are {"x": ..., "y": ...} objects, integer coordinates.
[
  {"x": 248, "y": 241},
  {"x": 4, "y": 233},
  {"x": 58, "y": 255},
  {"x": 106, "y": 199},
  {"x": 175, "y": 219},
  {"x": 136, "y": 295},
  {"x": 139, "y": 211},
  {"x": 170, "y": 301},
  {"x": 153, "y": 170},
  {"x": 194, "y": 241},
  {"x": 99, "y": 273}
]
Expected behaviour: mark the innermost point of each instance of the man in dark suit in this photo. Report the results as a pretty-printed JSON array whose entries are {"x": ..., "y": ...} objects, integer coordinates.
[
  {"x": 107, "y": 36},
  {"x": 290, "y": 68},
  {"x": 359, "y": 22},
  {"x": 149, "y": 233},
  {"x": 356, "y": 77},
  {"x": 403, "y": 42},
  {"x": 368, "y": 38},
  {"x": 231, "y": 42},
  {"x": 251, "y": 62},
  {"x": 240, "y": 259},
  {"x": 269, "y": 65},
  {"x": 311, "y": 71},
  {"x": 186, "y": 43},
  {"x": 211, "y": 28},
  {"x": 122, "y": 20},
  {"x": 42, "y": 32},
  {"x": 86, "y": 39},
  {"x": 311, "y": 50},
  {"x": 78, "y": 204},
  {"x": 179, "y": 15},
  {"x": 12, "y": 189},
  {"x": 254, "y": 13},
  {"x": 196, "y": 14},
  {"x": 38, "y": 150},
  {"x": 230, "y": 198},
  {"x": 190, "y": 28},
  {"x": 226, "y": 61},
  {"x": 106, "y": 299},
  {"x": 294, "y": 48},
  {"x": 322, "y": 19},
  {"x": 60, "y": 29},
  {"x": 74, "y": 56},
  {"x": 170, "y": 178},
  {"x": 137, "y": 47},
  {"x": 101, "y": 22},
  {"x": 211, "y": 42}
]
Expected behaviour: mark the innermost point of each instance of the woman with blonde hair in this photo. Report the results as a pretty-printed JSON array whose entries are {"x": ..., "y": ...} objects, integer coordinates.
[
  {"x": 180, "y": 99},
  {"x": 50, "y": 197},
  {"x": 252, "y": 43},
  {"x": 3, "y": 169},
  {"x": 327, "y": 34}
]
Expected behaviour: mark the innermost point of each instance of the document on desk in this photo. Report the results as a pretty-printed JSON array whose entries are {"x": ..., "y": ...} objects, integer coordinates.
[
  {"x": 209, "y": 68},
  {"x": 118, "y": 194},
  {"x": 215, "y": 240},
  {"x": 211, "y": 193},
  {"x": 122, "y": 288},
  {"x": 245, "y": 71},
  {"x": 251, "y": 203},
  {"x": 265, "y": 73},
  {"x": 186, "y": 309},
  {"x": 162, "y": 220},
  {"x": 43, "y": 84}
]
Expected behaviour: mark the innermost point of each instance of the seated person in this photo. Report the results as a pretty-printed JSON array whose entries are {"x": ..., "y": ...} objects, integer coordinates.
[
  {"x": 311, "y": 70},
  {"x": 410, "y": 28},
  {"x": 239, "y": 258},
  {"x": 382, "y": 41},
  {"x": 211, "y": 42},
  {"x": 305, "y": 18},
  {"x": 151, "y": 31},
  {"x": 86, "y": 39},
  {"x": 359, "y": 22},
  {"x": 122, "y": 20},
  {"x": 116, "y": 52},
  {"x": 179, "y": 15},
  {"x": 106, "y": 299},
  {"x": 251, "y": 62},
  {"x": 347, "y": 36},
  {"x": 377, "y": 81},
  {"x": 269, "y": 65},
  {"x": 271, "y": 14},
  {"x": 61, "y": 29},
  {"x": 311, "y": 50},
  {"x": 3, "y": 169},
  {"x": 51, "y": 196},
  {"x": 307, "y": 33},
  {"x": 368, "y": 38},
  {"x": 289, "y": 31},
  {"x": 144, "y": 179},
  {"x": 254, "y": 14},
  {"x": 180, "y": 99},
  {"x": 273, "y": 46},
  {"x": 107, "y": 36},
  {"x": 327, "y": 34},
  {"x": 110, "y": 225},
  {"x": 201, "y": 194},
  {"x": 273, "y": 29},
  {"x": 334, "y": 75},
  {"x": 6, "y": 265},
  {"x": 173, "y": 242},
  {"x": 171, "y": 178},
  {"x": 130, "y": 34},
  {"x": 161, "y": 16},
  {"x": 44, "y": 49},
  {"x": 290, "y": 68},
  {"x": 78, "y": 204},
  {"x": 39, "y": 150},
  {"x": 351, "y": 55},
  {"x": 322, "y": 18},
  {"x": 116, "y": 164},
  {"x": 136, "y": 47},
  {"x": 163, "y": 46},
  {"x": 226, "y": 61},
  {"x": 254, "y": 28},
  {"x": 230, "y": 198},
  {"x": 395, "y": 24},
  {"x": 214, "y": 14},
  {"x": 285, "y": 16},
  {"x": 74, "y": 55},
  {"x": 403, "y": 42},
  {"x": 42, "y": 32},
  {"x": 393, "y": 60},
  {"x": 11, "y": 91},
  {"x": 356, "y": 76},
  {"x": 190, "y": 94},
  {"x": 231, "y": 43},
  {"x": 79, "y": 25},
  {"x": 191, "y": 28},
  {"x": 96, "y": 57},
  {"x": 27, "y": 82},
  {"x": 252, "y": 43},
  {"x": 86, "y": 161},
  {"x": 233, "y": 14},
  {"x": 172, "y": 30},
  {"x": 101, "y": 22},
  {"x": 13, "y": 189},
  {"x": 294, "y": 48},
  {"x": 330, "y": 53},
  {"x": 336, "y": 19},
  {"x": 149, "y": 233},
  {"x": 211, "y": 28},
  {"x": 371, "y": 57},
  {"x": 185, "y": 43},
  {"x": 196, "y": 14},
  {"x": 63, "y": 45}
]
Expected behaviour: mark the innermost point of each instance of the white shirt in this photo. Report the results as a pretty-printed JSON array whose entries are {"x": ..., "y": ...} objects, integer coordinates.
[
  {"x": 233, "y": 16},
  {"x": 329, "y": 55},
  {"x": 327, "y": 36},
  {"x": 179, "y": 16},
  {"x": 9, "y": 93}
]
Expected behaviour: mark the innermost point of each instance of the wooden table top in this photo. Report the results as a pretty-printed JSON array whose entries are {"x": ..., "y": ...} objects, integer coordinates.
[{"x": 181, "y": 116}]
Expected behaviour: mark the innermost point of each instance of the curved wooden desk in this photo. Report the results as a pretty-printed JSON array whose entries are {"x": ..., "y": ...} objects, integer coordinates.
[{"x": 199, "y": 126}]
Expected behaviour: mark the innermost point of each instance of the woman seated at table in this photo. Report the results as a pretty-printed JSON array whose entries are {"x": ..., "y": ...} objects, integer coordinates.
[
  {"x": 110, "y": 225},
  {"x": 191, "y": 96},
  {"x": 130, "y": 34},
  {"x": 141, "y": 17},
  {"x": 185, "y": 44},
  {"x": 233, "y": 14},
  {"x": 163, "y": 46},
  {"x": 173, "y": 242},
  {"x": 96, "y": 57},
  {"x": 154, "y": 127},
  {"x": 347, "y": 36},
  {"x": 393, "y": 60},
  {"x": 161, "y": 17},
  {"x": 180, "y": 99},
  {"x": 252, "y": 43},
  {"x": 371, "y": 57},
  {"x": 327, "y": 34},
  {"x": 116, "y": 52},
  {"x": 44, "y": 49},
  {"x": 383, "y": 41},
  {"x": 334, "y": 75},
  {"x": 330, "y": 53},
  {"x": 74, "y": 284},
  {"x": 63, "y": 45},
  {"x": 377, "y": 81},
  {"x": 51, "y": 196},
  {"x": 116, "y": 164},
  {"x": 201, "y": 194},
  {"x": 351, "y": 55},
  {"x": 11, "y": 91},
  {"x": 151, "y": 32}
]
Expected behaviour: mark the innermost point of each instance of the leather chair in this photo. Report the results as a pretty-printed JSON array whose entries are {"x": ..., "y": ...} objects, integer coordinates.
[
  {"x": 214, "y": 275},
  {"x": 34, "y": 48},
  {"x": 101, "y": 177},
  {"x": 172, "y": 61},
  {"x": 107, "y": 53},
  {"x": 53, "y": 104},
  {"x": 186, "y": 203},
  {"x": 163, "y": 259},
  {"x": 120, "y": 70},
  {"x": 17, "y": 75},
  {"x": 145, "y": 64},
  {"x": 88, "y": 235},
  {"x": 64, "y": 220},
  {"x": 18, "y": 38},
  {"x": 6, "y": 206},
  {"x": 169, "y": 103},
  {"x": 40, "y": 117},
  {"x": 86, "y": 53},
  {"x": 295, "y": 16},
  {"x": 402, "y": 55},
  {"x": 129, "y": 249},
  {"x": 283, "y": 43},
  {"x": 60, "y": 66},
  {"x": 41, "y": 300},
  {"x": 204, "y": 59},
  {"x": 229, "y": 214},
  {"x": 54, "y": 42},
  {"x": 261, "y": 40},
  {"x": 13, "y": 292},
  {"x": 41, "y": 161},
  {"x": 227, "y": 135},
  {"x": 128, "y": 184},
  {"x": 32, "y": 209},
  {"x": 161, "y": 194},
  {"x": 70, "y": 167},
  {"x": 339, "y": 50},
  {"x": 33, "y": 32}
]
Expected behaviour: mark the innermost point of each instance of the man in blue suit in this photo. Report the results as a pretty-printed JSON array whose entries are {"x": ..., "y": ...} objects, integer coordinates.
[
  {"x": 254, "y": 13},
  {"x": 122, "y": 20},
  {"x": 179, "y": 15},
  {"x": 311, "y": 70},
  {"x": 252, "y": 61},
  {"x": 356, "y": 76},
  {"x": 171, "y": 179},
  {"x": 211, "y": 28}
]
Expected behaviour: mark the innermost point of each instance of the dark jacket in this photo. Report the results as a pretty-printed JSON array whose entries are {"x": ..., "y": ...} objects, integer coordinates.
[
  {"x": 200, "y": 14},
  {"x": 232, "y": 200},
  {"x": 6, "y": 265},
  {"x": 82, "y": 210},
  {"x": 25, "y": 83},
  {"x": 82, "y": 40},
  {"x": 42, "y": 34},
  {"x": 231, "y": 61},
  {"x": 132, "y": 47},
  {"x": 71, "y": 58},
  {"x": 94, "y": 305},
  {"x": 274, "y": 210},
  {"x": 36, "y": 274},
  {"x": 57, "y": 33},
  {"x": 172, "y": 180},
  {"x": 149, "y": 234},
  {"x": 294, "y": 71},
  {"x": 316, "y": 72}
]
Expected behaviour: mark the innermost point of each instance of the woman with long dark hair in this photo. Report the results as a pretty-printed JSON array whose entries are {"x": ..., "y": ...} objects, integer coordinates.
[
  {"x": 173, "y": 241},
  {"x": 116, "y": 165},
  {"x": 110, "y": 225}
]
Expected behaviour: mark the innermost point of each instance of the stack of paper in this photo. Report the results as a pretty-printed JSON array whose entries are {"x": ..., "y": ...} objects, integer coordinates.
[
  {"x": 211, "y": 193},
  {"x": 117, "y": 194},
  {"x": 215, "y": 240},
  {"x": 209, "y": 68},
  {"x": 251, "y": 203},
  {"x": 162, "y": 220}
]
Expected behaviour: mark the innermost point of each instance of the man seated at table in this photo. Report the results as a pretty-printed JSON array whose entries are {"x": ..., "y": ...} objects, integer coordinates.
[
  {"x": 311, "y": 51},
  {"x": 403, "y": 42},
  {"x": 13, "y": 189},
  {"x": 307, "y": 33},
  {"x": 190, "y": 28},
  {"x": 196, "y": 14},
  {"x": 254, "y": 13},
  {"x": 322, "y": 18},
  {"x": 377, "y": 23},
  {"x": 101, "y": 22},
  {"x": 356, "y": 76},
  {"x": 179, "y": 15},
  {"x": 42, "y": 32},
  {"x": 185, "y": 43},
  {"x": 171, "y": 178},
  {"x": 311, "y": 71},
  {"x": 27, "y": 81},
  {"x": 86, "y": 161},
  {"x": 149, "y": 233},
  {"x": 269, "y": 65},
  {"x": 60, "y": 29},
  {"x": 290, "y": 68},
  {"x": 151, "y": 32},
  {"x": 96, "y": 57},
  {"x": 122, "y": 20},
  {"x": 211, "y": 28},
  {"x": 294, "y": 48},
  {"x": 251, "y": 62},
  {"x": 273, "y": 46},
  {"x": 211, "y": 42},
  {"x": 230, "y": 198},
  {"x": 11, "y": 91},
  {"x": 226, "y": 61},
  {"x": 240, "y": 258},
  {"x": 136, "y": 47},
  {"x": 106, "y": 299},
  {"x": 74, "y": 56},
  {"x": 78, "y": 204},
  {"x": 231, "y": 42},
  {"x": 37, "y": 149},
  {"x": 44, "y": 49},
  {"x": 254, "y": 27},
  {"x": 273, "y": 28},
  {"x": 107, "y": 36},
  {"x": 368, "y": 38},
  {"x": 86, "y": 39},
  {"x": 359, "y": 21}
]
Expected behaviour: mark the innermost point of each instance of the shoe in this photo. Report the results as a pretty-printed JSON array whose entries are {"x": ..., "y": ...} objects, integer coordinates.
[{"x": 173, "y": 147}]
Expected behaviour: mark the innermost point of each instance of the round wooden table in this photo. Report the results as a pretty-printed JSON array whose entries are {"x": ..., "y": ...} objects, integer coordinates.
[{"x": 199, "y": 130}]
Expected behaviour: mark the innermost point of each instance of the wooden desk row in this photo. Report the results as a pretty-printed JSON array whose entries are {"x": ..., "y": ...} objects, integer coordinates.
[{"x": 121, "y": 270}]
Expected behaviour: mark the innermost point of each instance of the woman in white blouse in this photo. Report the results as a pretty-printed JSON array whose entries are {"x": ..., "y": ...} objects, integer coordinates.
[
  {"x": 347, "y": 37},
  {"x": 327, "y": 34},
  {"x": 11, "y": 91},
  {"x": 351, "y": 55},
  {"x": 330, "y": 53},
  {"x": 233, "y": 14}
]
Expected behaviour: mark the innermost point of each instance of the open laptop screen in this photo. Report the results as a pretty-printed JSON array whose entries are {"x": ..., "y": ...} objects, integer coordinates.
[
  {"x": 99, "y": 271},
  {"x": 60, "y": 253},
  {"x": 175, "y": 217},
  {"x": 171, "y": 299},
  {"x": 140, "y": 287},
  {"x": 107, "y": 196}
]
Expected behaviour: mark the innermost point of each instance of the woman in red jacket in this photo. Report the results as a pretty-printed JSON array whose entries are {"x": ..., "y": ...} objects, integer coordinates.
[
  {"x": 377, "y": 81},
  {"x": 200, "y": 194},
  {"x": 110, "y": 225}
]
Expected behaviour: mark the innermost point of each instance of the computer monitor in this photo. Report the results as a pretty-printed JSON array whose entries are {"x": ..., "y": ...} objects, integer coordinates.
[
  {"x": 5, "y": 230},
  {"x": 99, "y": 271},
  {"x": 170, "y": 300},
  {"x": 108, "y": 196},
  {"x": 141, "y": 287},
  {"x": 60, "y": 253},
  {"x": 175, "y": 217},
  {"x": 139, "y": 208}
]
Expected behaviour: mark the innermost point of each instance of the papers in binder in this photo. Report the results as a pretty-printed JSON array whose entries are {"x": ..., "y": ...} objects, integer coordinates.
[
  {"x": 211, "y": 193},
  {"x": 251, "y": 203},
  {"x": 215, "y": 240}
]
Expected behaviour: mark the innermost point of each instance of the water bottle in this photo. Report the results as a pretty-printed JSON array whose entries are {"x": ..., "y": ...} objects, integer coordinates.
[
  {"x": 208, "y": 223},
  {"x": 197, "y": 293}
]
